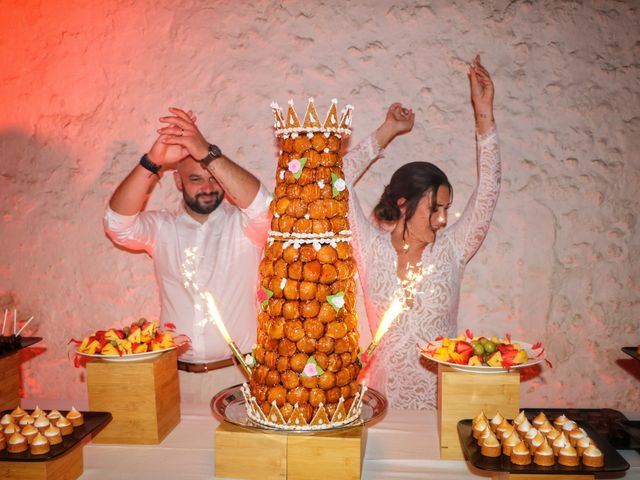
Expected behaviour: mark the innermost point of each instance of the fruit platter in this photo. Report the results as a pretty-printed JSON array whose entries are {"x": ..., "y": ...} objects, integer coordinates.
[
  {"x": 483, "y": 354},
  {"x": 141, "y": 340}
]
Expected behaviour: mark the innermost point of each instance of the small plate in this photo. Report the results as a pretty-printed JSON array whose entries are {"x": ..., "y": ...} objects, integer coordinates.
[
  {"x": 486, "y": 369},
  {"x": 132, "y": 357},
  {"x": 229, "y": 405}
]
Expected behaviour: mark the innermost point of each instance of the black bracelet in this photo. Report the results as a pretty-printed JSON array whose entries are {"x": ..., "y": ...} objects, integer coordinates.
[{"x": 145, "y": 162}]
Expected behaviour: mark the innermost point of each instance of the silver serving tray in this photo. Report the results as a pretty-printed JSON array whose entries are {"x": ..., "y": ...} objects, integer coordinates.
[{"x": 229, "y": 405}]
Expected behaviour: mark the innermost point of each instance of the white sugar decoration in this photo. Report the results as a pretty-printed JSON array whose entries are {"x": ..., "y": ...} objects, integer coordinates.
[
  {"x": 283, "y": 282},
  {"x": 317, "y": 246},
  {"x": 306, "y": 216},
  {"x": 326, "y": 150}
]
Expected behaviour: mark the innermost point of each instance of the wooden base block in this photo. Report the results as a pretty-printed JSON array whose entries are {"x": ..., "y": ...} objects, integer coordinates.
[
  {"x": 256, "y": 454},
  {"x": 66, "y": 467},
  {"x": 463, "y": 395},
  {"x": 143, "y": 397},
  {"x": 10, "y": 381},
  {"x": 519, "y": 476}
]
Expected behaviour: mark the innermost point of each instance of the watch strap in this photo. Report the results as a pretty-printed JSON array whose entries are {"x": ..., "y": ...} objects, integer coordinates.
[
  {"x": 213, "y": 153},
  {"x": 146, "y": 163}
]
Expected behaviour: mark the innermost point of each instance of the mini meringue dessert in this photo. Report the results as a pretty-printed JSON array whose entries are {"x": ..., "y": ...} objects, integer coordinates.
[
  {"x": 502, "y": 427},
  {"x": 75, "y": 417},
  {"x": 510, "y": 442},
  {"x": 568, "y": 456},
  {"x": 539, "y": 420},
  {"x": 524, "y": 427},
  {"x": 3, "y": 442},
  {"x": 29, "y": 432},
  {"x": 521, "y": 417},
  {"x": 544, "y": 455},
  {"x": 65, "y": 426},
  {"x": 54, "y": 415},
  {"x": 37, "y": 412},
  {"x": 520, "y": 454},
  {"x": 52, "y": 433},
  {"x": 560, "y": 421},
  {"x": 592, "y": 457},
  {"x": 575, "y": 435},
  {"x": 490, "y": 447},
  {"x": 42, "y": 423},
  {"x": 478, "y": 428},
  {"x": 552, "y": 434},
  {"x": 10, "y": 430},
  {"x": 17, "y": 443},
  {"x": 545, "y": 428},
  {"x": 480, "y": 417},
  {"x": 18, "y": 413},
  {"x": 582, "y": 444},
  {"x": 535, "y": 442},
  {"x": 6, "y": 420},
  {"x": 559, "y": 443},
  {"x": 26, "y": 420},
  {"x": 496, "y": 420},
  {"x": 39, "y": 445}
]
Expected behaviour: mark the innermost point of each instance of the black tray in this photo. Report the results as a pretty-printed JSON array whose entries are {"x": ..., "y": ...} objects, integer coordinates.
[
  {"x": 25, "y": 342},
  {"x": 613, "y": 462},
  {"x": 93, "y": 423},
  {"x": 606, "y": 421},
  {"x": 632, "y": 428},
  {"x": 632, "y": 352}
]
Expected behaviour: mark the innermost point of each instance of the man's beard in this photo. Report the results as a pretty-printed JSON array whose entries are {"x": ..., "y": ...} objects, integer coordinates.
[{"x": 194, "y": 202}]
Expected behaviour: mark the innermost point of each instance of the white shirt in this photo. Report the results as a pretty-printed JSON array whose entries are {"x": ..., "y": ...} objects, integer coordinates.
[{"x": 229, "y": 248}]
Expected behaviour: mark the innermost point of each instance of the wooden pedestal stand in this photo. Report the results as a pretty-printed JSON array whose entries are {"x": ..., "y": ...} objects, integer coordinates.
[
  {"x": 263, "y": 454},
  {"x": 142, "y": 396},
  {"x": 66, "y": 467},
  {"x": 463, "y": 395},
  {"x": 10, "y": 381},
  {"x": 519, "y": 476}
]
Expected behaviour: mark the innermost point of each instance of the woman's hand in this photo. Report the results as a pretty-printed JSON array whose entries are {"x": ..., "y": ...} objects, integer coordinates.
[
  {"x": 482, "y": 91},
  {"x": 399, "y": 120}
]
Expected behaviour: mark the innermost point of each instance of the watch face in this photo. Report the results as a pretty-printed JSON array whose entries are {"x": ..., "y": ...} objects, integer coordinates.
[{"x": 214, "y": 151}]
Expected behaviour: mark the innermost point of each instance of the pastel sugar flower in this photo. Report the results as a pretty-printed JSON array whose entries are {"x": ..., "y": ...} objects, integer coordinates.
[
  {"x": 311, "y": 369},
  {"x": 337, "y": 185},
  {"x": 250, "y": 360},
  {"x": 264, "y": 294},
  {"x": 295, "y": 166},
  {"x": 336, "y": 301}
]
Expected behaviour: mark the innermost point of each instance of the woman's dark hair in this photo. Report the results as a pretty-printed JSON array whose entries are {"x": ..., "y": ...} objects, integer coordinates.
[{"x": 410, "y": 181}]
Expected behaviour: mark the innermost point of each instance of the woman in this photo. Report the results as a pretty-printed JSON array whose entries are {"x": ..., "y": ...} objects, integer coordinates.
[{"x": 416, "y": 202}]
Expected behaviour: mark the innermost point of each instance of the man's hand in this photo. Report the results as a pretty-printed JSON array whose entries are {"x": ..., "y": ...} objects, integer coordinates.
[
  {"x": 165, "y": 154},
  {"x": 399, "y": 120},
  {"x": 183, "y": 132}
]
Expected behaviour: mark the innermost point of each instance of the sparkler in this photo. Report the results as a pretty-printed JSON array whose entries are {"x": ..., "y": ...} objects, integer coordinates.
[
  {"x": 4, "y": 322},
  {"x": 24, "y": 326},
  {"x": 402, "y": 299},
  {"x": 213, "y": 315}
]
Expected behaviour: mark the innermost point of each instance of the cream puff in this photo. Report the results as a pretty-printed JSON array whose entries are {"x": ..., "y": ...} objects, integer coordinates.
[
  {"x": 40, "y": 445},
  {"x": 520, "y": 454},
  {"x": 544, "y": 455},
  {"x": 592, "y": 457}
]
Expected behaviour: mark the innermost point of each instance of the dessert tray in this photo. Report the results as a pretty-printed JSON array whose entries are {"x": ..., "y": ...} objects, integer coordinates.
[
  {"x": 632, "y": 352},
  {"x": 93, "y": 423},
  {"x": 613, "y": 461},
  {"x": 131, "y": 357},
  {"x": 24, "y": 343},
  {"x": 534, "y": 359},
  {"x": 229, "y": 405}
]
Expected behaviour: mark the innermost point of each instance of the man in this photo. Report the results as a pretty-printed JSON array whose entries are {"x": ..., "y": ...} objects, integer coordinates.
[{"x": 228, "y": 237}]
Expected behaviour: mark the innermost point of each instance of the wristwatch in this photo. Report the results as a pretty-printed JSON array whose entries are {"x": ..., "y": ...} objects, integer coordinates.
[
  {"x": 213, "y": 153},
  {"x": 146, "y": 162}
]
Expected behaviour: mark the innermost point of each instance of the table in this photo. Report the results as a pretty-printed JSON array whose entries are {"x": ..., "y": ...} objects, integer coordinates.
[{"x": 404, "y": 444}]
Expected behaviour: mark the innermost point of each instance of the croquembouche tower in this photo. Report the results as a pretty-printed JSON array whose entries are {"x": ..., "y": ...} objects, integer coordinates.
[{"x": 306, "y": 356}]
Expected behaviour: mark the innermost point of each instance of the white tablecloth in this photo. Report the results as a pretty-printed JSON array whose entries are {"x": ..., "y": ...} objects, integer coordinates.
[{"x": 403, "y": 445}]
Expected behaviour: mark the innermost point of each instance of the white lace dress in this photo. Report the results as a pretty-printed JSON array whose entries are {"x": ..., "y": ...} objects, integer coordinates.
[{"x": 396, "y": 369}]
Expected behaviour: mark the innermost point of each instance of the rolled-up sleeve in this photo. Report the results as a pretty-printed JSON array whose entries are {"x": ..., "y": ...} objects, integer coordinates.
[
  {"x": 256, "y": 219},
  {"x": 135, "y": 232}
]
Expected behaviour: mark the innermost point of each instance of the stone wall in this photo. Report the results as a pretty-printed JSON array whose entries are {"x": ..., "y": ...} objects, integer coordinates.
[{"x": 83, "y": 84}]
